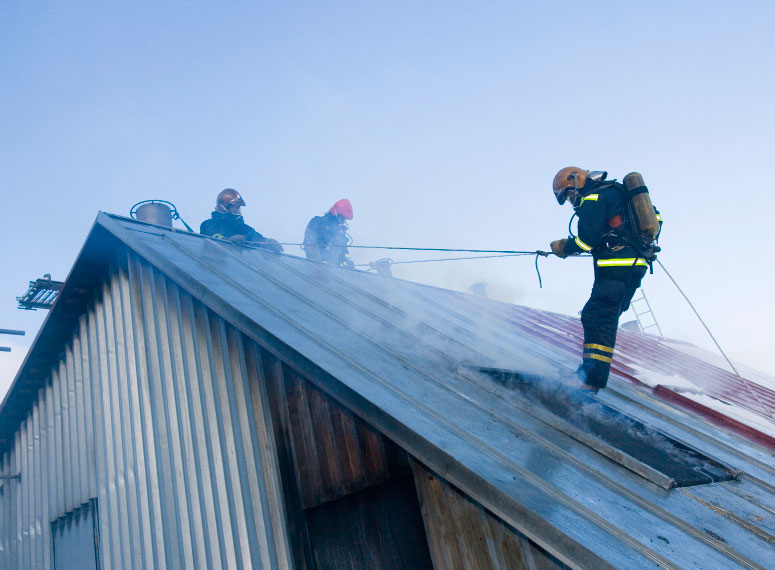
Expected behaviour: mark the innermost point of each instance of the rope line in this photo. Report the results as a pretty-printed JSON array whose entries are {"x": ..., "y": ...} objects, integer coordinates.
[
  {"x": 510, "y": 251},
  {"x": 451, "y": 259},
  {"x": 745, "y": 382},
  {"x": 498, "y": 252},
  {"x": 538, "y": 253},
  {"x": 538, "y": 272}
]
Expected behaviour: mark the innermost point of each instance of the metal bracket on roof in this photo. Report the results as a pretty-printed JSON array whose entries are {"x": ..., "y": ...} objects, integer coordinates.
[
  {"x": 41, "y": 294},
  {"x": 479, "y": 289},
  {"x": 382, "y": 266}
]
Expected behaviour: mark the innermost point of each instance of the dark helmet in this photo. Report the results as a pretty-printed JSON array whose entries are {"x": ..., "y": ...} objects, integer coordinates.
[
  {"x": 569, "y": 178},
  {"x": 228, "y": 201},
  {"x": 342, "y": 208}
]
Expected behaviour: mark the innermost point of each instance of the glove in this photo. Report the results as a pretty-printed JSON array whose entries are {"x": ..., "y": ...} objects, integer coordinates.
[
  {"x": 238, "y": 239},
  {"x": 558, "y": 246}
]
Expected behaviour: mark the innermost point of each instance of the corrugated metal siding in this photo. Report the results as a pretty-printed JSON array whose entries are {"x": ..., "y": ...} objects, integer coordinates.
[
  {"x": 464, "y": 536},
  {"x": 76, "y": 539},
  {"x": 153, "y": 410},
  {"x": 50, "y": 445}
]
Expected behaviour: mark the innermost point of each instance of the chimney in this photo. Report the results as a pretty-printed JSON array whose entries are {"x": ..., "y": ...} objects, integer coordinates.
[{"x": 156, "y": 213}]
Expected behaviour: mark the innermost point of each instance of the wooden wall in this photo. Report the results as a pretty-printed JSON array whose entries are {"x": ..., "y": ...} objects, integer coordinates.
[
  {"x": 351, "y": 500},
  {"x": 334, "y": 453},
  {"x": 464, "y": 536}
]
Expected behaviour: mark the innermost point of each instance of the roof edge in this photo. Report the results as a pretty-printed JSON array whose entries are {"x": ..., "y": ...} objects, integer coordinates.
[{"x": 98, "y": 251}]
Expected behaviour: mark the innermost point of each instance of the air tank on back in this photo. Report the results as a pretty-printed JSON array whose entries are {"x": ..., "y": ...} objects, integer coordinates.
[{"x": 642, "y": 206}]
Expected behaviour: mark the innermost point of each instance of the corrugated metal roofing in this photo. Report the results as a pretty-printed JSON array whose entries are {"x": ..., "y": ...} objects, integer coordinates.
[
  {"x": 392, "y": 351},
  {"x": 636, "y": 353},
  {"x": 640, "y": 357}
]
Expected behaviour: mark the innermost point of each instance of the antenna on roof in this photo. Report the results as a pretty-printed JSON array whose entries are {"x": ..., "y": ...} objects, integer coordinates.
[{"x": 41, "y": 294}]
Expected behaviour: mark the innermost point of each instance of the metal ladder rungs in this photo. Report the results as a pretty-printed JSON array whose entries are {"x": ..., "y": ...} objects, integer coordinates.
[{"x": 642, "y": 322}]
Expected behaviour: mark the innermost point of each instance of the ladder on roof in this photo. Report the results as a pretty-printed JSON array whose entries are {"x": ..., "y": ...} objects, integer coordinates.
[{"x": 643, "y": 313}]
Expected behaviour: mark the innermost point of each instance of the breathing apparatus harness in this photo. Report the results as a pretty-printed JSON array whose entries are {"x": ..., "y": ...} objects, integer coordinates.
[{"x": 626, "y": 231}]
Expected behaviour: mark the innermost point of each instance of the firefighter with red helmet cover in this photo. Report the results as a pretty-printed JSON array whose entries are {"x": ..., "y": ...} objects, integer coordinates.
[
  {"x": 609, "y": 230},
  {"x": 326, "y": 238},
  {"x": 226, "y": 222}
]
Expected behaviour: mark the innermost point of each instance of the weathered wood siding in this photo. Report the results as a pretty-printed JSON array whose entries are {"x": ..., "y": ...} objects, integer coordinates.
[
  {"x": 350, "y": 496},
  {"x": 335, "y": 453},
  {"x": 464, "y": 536}
]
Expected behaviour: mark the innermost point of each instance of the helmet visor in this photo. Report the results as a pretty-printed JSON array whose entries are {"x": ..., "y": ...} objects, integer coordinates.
[
  {"x": 561, "y": 194},
  {"x": 565, "y": 190},
  {"x": 235, "y": 207}
]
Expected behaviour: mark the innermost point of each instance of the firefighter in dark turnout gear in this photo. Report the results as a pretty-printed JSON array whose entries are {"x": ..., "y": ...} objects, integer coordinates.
[
  {"x": 226, "y": 223},
  {"x": 326, "y": 238},
  {"x": 606, "y": 230}
]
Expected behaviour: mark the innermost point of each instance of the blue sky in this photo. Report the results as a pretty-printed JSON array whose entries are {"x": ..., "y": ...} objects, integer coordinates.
[{"x": 443, "y": 122}]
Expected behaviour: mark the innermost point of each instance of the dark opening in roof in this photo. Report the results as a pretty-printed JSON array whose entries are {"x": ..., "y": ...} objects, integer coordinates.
[{"x": 637, "y": 446}]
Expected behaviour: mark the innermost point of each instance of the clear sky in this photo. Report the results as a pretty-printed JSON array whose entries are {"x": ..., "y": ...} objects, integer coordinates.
[{"x": 443, "y": 122}]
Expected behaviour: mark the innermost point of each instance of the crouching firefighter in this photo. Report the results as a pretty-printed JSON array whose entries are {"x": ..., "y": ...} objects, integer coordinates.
[
  {"x": 226, "y": 222},
  {"x": 619, "y": 226},
  {"x": 326, "y": 238}
]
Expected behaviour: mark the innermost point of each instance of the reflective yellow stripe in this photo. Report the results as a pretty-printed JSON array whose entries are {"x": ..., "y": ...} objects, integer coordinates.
[
  {"x": 592, "y": 197},
  {"x": 622, "y": 262},
  {"x": 597, "y": 356},
  {"x": 600, "y": 347},
  {"x": 659, "y": 218},
  {"x": 582, "y": 245}
]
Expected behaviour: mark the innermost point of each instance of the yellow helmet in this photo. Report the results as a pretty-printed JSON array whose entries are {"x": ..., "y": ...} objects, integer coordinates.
[{"x": 570, "y": 177}]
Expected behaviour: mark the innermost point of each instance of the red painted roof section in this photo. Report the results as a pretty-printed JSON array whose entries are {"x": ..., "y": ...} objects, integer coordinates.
[{"x": 636, "y": 351}]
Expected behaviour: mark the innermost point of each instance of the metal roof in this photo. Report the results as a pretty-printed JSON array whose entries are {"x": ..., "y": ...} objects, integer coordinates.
[
  {"x": 393, "y": 352},
  {"x": 639, "y": 356}
]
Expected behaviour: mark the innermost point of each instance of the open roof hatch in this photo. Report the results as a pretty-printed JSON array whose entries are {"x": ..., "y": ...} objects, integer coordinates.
[{"x": 634, "y": 445}]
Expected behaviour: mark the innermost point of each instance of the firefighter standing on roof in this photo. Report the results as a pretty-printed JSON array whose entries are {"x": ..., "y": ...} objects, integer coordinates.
[
  {"x": 326, "y": 238},
  {"x": 609, "y": 229}
]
